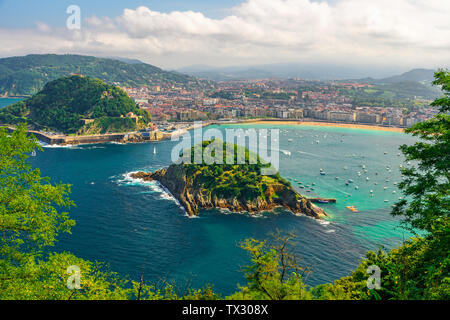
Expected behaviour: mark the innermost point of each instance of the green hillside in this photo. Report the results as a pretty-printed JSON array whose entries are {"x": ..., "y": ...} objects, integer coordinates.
[
  {"x": 23, "y": 76},
  {"x": 64, "y": 103}
]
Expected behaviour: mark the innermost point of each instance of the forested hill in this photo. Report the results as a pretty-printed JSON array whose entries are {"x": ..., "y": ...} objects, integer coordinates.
[
  {"x": 23, "y": 76},
  {"x": 65, "y": 104}
]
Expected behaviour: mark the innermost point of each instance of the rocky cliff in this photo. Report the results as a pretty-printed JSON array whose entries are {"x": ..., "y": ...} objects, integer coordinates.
[{"x": 193, "y": 198}]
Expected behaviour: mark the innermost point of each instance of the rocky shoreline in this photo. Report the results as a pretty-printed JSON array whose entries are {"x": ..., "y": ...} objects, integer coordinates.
[{"x": 193, "y": 199}]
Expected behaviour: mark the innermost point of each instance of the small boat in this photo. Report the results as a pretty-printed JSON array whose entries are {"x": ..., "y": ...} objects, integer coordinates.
[
  {"x": 350, "y": 181},
  {"x": 385, "y": 188},
  {"x": 322, "y": 173},
  {"x": 367, "y": 179},
  {"x": 337, "y": 178},
  {"x": 353, "y": 209},
  {"x": 371, "y": 191},
  {"x": 356, "y": 187},
  {"x": 386, "y": 200},
  {"x": 290, "y": 140},
  {"x": 154, "y": 150},
  {"x": 313, "y": 183},
  {"x": 322, "y": 201},
  {"x": 385, "y": 152}
]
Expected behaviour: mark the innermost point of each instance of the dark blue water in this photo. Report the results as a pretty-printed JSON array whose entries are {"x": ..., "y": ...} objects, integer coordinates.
[
  {"x": 4, "y": 102},
  {"x": 132, "y": 225}
]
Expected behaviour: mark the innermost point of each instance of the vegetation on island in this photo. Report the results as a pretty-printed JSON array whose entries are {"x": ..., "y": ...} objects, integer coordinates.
[
  {"x": 33, "y": 213},
  {"x": 25, "y": 76},
  {"x": 78, "y": 104},
  {"x": 242, "y": 179}
]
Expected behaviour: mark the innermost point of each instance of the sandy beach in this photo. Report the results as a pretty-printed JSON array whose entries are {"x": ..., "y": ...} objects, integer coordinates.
[{"x": 328, "y": 124}]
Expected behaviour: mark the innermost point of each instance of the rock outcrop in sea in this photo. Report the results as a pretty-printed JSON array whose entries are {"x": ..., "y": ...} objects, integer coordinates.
[{"x": 193, "y": 198}]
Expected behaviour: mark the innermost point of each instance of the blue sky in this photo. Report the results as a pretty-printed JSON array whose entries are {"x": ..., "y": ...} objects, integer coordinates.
[{"x": 25, "y": 13}]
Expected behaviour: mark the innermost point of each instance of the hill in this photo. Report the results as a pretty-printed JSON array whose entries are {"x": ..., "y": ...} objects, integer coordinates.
[
  {"x": 425, "y": 76},
  {"x": 24, "y": 76},
  {"x": 80, "y": 105},
  {"x": 235, "y": 187}
]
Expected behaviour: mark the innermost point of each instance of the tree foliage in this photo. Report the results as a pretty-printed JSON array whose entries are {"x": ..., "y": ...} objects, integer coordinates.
[{"x": 63, "y": 103}]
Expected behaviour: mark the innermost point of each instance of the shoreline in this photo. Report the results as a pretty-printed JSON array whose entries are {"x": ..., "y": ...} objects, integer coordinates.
[
  {"x": 323, "y": 124},
  {"x": 120, "y": 137}
]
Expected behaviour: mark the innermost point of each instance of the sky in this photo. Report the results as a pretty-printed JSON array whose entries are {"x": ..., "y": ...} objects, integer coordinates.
[{"x": 178, "y": 33}]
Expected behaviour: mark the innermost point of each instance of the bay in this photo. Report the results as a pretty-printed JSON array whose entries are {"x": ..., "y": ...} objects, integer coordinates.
[{"x": 136, "y": 226}]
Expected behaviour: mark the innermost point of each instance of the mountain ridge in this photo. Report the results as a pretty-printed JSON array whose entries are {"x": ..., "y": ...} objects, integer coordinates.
[{"x": 27, "y": 75}]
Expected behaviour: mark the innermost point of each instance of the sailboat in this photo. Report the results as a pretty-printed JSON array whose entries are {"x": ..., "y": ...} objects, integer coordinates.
[{"x": 154, "y": 150}]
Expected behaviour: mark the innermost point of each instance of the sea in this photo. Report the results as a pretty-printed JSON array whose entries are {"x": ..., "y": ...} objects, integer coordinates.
[
  {"x": 4, "y": 102},
  {"x": 136, "y": 226}
]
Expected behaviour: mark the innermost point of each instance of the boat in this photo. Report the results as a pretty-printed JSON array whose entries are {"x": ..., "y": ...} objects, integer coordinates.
[
  {"x": 353, "y": 209},
  {"x": 356, "y": 187},
  {"x": 290, "y": 140},
  {"x": 337, "y": 178},
  {"x": 367, "y": 179},
  {"x": 322, "y": 173},
  {"x": 350, "y": 181}
]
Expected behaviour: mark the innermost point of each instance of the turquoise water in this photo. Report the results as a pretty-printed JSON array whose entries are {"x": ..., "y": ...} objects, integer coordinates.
[
  {"x": 4, "y": 102},
  {"x": 132, "y": 225}
]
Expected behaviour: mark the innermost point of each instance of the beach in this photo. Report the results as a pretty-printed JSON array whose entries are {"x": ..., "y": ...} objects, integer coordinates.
[{"x": 328, "y": 124}]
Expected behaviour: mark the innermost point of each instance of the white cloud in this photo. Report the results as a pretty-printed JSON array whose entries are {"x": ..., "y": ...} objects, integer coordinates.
[{"x": 405, "y": 32}]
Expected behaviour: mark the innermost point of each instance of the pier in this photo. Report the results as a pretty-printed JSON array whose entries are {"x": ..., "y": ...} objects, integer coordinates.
[{"x": 322, "y": 200}]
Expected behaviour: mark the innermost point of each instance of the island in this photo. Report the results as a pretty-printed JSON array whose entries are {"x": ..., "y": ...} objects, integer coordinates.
[{"x": 234, "y": 187}]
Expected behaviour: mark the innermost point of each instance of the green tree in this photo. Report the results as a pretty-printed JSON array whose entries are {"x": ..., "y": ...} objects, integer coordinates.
[
  {"x": 275, "y": 272},
  {"x": 426, "y": 181}
]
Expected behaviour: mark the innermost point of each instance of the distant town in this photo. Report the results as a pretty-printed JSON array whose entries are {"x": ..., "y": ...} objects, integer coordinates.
[{"x": 295, "y": 100}]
